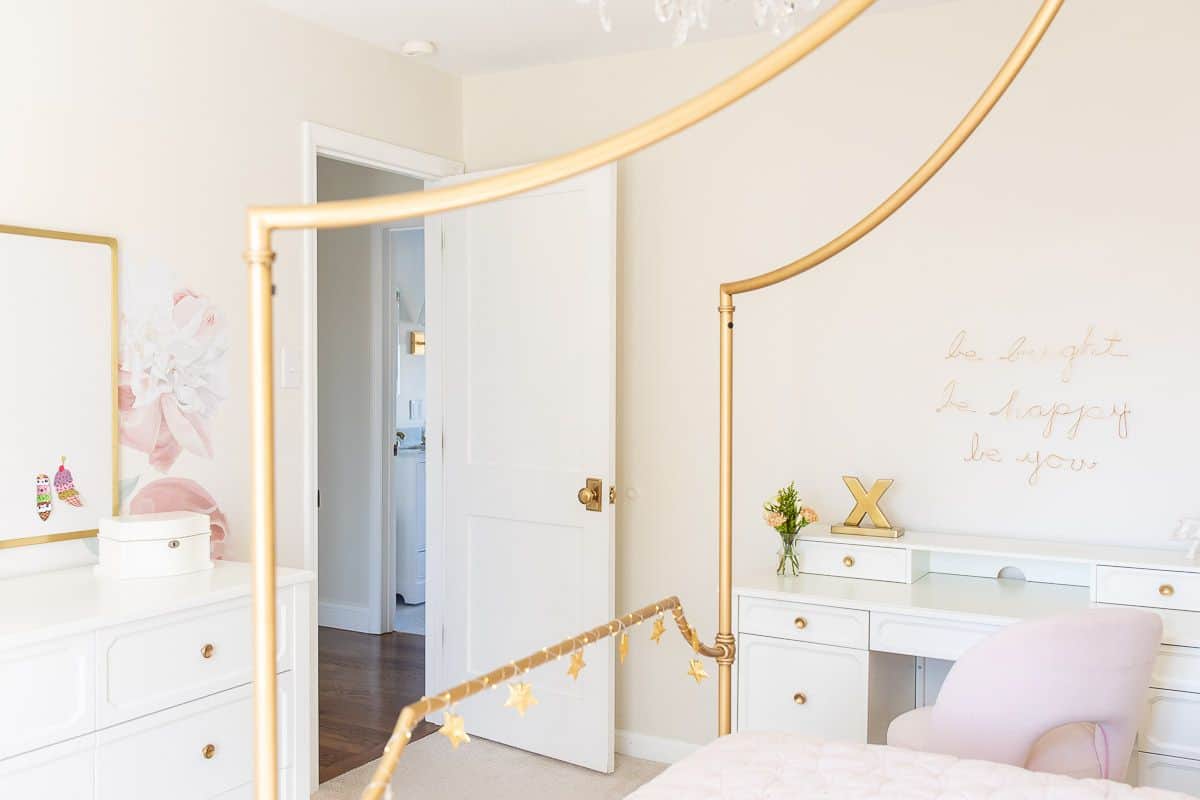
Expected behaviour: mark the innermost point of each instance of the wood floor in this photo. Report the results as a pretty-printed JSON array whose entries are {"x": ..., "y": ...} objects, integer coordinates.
[{"x": 363, "y": 682}]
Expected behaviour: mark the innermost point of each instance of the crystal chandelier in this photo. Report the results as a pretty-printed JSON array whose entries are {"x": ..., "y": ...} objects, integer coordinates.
[{"x": 779, "y": 16}]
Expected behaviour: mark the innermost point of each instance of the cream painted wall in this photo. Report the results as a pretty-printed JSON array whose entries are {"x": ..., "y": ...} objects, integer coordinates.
[
  {"x": 159, "y": 122},
  {"x": 1073, "y": 204},
  {"x": 350, "y": 513}
]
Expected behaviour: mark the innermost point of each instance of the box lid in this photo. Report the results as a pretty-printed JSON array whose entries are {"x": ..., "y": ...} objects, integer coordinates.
[{"x": 161, "y": 525}]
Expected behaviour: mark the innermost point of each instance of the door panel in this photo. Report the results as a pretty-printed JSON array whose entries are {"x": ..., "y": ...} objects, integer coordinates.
[{"x": 527, "y": 290}]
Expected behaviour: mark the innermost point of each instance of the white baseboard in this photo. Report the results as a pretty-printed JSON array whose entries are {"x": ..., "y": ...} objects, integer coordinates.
[
  {"x": 653, "y": 748},
  {"x": 346, "y": 616}
]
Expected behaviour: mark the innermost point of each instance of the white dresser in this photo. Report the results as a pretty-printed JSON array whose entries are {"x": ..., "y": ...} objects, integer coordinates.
[
  {"x": 121, "y": 690},
  {"x": 870, "y": 629}
]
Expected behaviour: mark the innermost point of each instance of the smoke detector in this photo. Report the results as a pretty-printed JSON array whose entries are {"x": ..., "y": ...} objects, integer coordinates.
[{"x": 418, "y": 47}]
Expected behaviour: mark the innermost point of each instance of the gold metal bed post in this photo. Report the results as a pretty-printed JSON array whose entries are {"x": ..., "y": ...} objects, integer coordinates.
[
  {"x": 1004, "y": 78},
  {"x": 262, "y": 222}
]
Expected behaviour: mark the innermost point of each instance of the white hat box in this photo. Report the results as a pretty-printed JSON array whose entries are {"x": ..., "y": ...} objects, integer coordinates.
[{"x": 154, "y": 545}]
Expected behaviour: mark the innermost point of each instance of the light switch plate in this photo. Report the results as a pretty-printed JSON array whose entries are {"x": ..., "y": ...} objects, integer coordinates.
[{"x": 289, "y": 368}]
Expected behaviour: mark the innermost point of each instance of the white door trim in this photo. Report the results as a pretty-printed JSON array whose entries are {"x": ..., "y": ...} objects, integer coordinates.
[{"x": 320, "y": 140}]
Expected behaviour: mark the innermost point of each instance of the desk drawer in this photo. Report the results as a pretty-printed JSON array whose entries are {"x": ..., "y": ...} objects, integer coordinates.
[
  {"x": 1166, "y": 772},
  {"x": 802, "y": 688},
  {"x": 924, "y": 636},
  {"x": 47, "y": 693},
  {"x": 1148, "y": 587},
  {"x": 163, "y": 755},
  {"x": 806, "y": 623},
  {"x": 1171, "y": 728},
  {"x": 1177, "y": 668},
  {"x": 854, "y": 561},
  {"x": 151, "y": 665}
]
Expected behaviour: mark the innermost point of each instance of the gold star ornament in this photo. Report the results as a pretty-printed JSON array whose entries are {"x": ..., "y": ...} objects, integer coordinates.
[
  {"x": 696, "y": 670},
  {"x": 623, "y": 646},
  {"x": 452, "y": 728},
  {"x": 520, "y": 697},
  {"x": 656, "y": 631},
  {"x": 577, "y": 664}
]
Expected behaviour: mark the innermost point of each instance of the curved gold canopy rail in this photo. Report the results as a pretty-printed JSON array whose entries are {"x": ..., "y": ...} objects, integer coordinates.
[{"x": 263, "y": 221}]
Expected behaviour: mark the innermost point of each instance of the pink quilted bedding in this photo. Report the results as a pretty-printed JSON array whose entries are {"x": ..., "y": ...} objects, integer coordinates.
[{"x": 779, "y": 766}]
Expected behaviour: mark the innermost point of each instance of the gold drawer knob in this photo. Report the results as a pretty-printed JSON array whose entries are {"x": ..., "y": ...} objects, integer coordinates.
[
  {"x": 209, "y": 750},
  {"x": 799, "y": 698},
  {"x": 801, "y": 623},
  {"x": 207, "y": 651},
  {"x": 848, "y": 561},
  {"x": 1166, "y": 590}
]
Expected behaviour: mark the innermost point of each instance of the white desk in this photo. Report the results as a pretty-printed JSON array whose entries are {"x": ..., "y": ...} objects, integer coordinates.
[{"x": 870, "y": 629}]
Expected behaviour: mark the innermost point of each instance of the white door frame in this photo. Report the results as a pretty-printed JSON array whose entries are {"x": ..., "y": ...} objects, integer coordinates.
[{"x": 320, "y": 140}]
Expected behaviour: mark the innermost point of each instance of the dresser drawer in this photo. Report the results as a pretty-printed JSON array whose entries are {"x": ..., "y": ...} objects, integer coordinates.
[
  {"x": 151, "y": 665},
  {"x": 1171, "y": 727},
  {"x": 62, "y": 772},
  {"x": 802, "y": 688},
  {"x": 926, "y": 636},
  {"x": 806, "y": 623},
  {"x": 1177, "y": 668},
  {"x": 164, "y": 754},
  {"x": 854, "y": 561},
  {"x": 1167, "y": 772},
  {"x": 1148, "y": 587},
  {"x": 47, "y": 693}
]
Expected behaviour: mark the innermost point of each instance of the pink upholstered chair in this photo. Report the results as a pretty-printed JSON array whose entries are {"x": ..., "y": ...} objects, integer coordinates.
[{"x": 1063, "y": 694}]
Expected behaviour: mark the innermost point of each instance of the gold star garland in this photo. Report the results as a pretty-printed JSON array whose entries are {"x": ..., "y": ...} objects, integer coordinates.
[
  {"x": 520, "y": 694},
  {"x": 520, "y": 697},
  {"x": 577, "y": 664},
  {"x": 453, "y": 729}
]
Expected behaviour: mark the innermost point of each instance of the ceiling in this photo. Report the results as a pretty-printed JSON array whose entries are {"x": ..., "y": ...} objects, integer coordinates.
[{"x": 475, "y": 36}]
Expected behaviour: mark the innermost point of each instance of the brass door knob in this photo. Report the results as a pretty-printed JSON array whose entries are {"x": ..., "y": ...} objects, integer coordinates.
[
  {"x": 207, "y": 651},
  {"x": 799, "y": 698},
  {"x": 848, "y": 561},
  {"x": 801, "y": 623},
  {"x": 209, "y": 750},
  {"x": 1166, "y": 590},
  {"x": 590, "y": 495}
]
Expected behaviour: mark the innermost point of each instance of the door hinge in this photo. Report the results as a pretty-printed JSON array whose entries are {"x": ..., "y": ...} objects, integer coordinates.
[{"x": 318, "y": 498}]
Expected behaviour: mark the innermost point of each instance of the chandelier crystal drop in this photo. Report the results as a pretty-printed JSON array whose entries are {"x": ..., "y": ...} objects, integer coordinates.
[{"x": 778, "y": 16}]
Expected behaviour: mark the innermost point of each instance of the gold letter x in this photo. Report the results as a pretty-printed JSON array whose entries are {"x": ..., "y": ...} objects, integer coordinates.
[{"x": 867, "y": 503}]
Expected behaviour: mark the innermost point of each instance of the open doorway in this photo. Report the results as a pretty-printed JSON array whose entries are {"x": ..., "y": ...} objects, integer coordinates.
[{"x": 367, "y": 530}]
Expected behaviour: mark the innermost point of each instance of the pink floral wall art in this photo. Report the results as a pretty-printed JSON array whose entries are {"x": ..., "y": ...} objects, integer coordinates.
[{"x": 172, "y": 380}]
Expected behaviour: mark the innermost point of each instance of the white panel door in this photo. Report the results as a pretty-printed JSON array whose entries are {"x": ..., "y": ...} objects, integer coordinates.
[{"x": 525, "y": 290}]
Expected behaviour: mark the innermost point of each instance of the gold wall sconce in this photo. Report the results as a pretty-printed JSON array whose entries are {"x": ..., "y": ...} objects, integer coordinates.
[{"x": 416, "y": 343}]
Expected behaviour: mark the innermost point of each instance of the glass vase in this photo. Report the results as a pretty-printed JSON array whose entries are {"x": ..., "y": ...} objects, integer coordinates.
[{"x": 789, "y": 562}]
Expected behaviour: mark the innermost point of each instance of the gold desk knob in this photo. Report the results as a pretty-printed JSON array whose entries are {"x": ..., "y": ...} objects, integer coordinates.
[
  {"x": 1166, "y": 590},
  {"x": 801, "y": 623},
  {"x": 799, "y": 698},
  {"x": 207, "y": 651},
  {"x": 848, "y": 561},
  {"x": 209, "y": 750}
]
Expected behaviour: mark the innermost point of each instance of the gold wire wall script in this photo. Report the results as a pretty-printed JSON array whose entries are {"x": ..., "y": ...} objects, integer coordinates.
[{"x": 866, "y": 504}]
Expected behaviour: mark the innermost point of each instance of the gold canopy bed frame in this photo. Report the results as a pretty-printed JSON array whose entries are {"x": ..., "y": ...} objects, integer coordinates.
[{"x": 264, "y": 221}]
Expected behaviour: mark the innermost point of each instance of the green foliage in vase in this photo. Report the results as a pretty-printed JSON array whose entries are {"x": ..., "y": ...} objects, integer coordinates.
[{"x": 787, "y": 514}]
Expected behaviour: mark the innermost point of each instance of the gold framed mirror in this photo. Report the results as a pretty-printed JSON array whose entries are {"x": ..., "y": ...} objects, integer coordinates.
[{"x": 59, "y": 424}]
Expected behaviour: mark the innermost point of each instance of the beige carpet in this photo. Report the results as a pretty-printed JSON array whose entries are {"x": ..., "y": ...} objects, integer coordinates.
[{"x": 431, "y": 769}]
